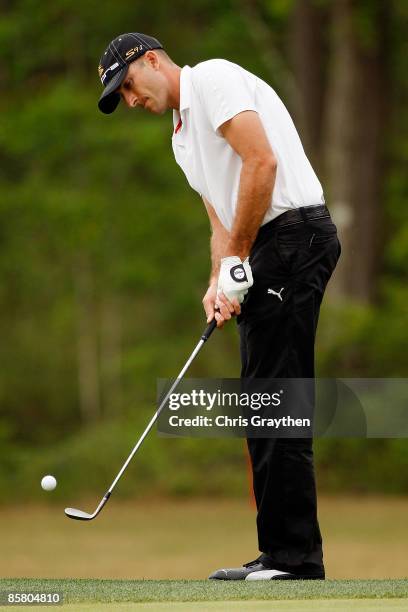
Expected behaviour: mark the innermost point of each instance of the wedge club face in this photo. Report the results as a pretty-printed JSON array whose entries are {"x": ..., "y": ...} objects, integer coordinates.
[{"x": 80, "y": 515}]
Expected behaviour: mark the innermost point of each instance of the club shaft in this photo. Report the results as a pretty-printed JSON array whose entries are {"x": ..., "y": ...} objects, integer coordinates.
[
  {"x": 84, "y": 516},
  {"x": 158, "y": 411}
]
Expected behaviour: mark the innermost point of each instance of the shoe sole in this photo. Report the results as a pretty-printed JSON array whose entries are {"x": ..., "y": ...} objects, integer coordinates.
[{"x": 284, "y": 577}]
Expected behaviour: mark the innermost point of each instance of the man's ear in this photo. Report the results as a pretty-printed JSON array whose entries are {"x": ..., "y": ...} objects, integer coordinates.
[{"x": 152, "y": 59}]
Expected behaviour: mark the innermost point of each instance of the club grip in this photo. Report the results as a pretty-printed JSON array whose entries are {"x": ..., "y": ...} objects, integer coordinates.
[{"x": 209, "y": 330}]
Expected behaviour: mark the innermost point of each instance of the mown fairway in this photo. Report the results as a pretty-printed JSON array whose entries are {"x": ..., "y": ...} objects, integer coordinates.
[{"x": 202, "y": 595}]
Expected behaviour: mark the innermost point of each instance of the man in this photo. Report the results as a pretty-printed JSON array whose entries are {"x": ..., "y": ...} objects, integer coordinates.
[{"x": 273, "y": 250}]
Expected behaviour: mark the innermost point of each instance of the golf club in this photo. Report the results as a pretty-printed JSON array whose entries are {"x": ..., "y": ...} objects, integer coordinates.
[{"x": 80, "y": 515}]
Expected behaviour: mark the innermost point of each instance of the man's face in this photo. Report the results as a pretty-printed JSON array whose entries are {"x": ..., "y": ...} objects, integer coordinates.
[{"x": 145, "y": 85}]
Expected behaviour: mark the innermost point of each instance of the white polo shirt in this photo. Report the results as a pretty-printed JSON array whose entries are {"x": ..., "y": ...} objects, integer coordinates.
[{"x": 213, "y": 92}]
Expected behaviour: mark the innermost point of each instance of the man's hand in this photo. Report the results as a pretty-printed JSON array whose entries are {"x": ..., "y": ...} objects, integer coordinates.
[
  {"x": 228, "y": 292},
  {"x": 218, "y": 306}
]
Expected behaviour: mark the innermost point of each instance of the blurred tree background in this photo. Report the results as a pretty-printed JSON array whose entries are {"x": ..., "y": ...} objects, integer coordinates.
[{"x": 95, "y": 213}]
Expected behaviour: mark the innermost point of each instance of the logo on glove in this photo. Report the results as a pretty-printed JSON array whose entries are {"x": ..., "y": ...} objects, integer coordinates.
[
  {"x": 238, "y": 274},
  {"x": 235, "y": 278}
]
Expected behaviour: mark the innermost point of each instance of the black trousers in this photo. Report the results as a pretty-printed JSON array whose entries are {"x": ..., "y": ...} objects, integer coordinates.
[{"x": 292, "y": 260}]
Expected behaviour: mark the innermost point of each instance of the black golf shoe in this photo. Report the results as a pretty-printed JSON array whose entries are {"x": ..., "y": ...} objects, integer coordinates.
[
  {"x": 256, "y": 570},
  {"x": 238, "y": 573}
]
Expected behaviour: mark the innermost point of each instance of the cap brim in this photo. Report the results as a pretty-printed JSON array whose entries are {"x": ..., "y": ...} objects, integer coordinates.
[{"x": 110, "y": 98}]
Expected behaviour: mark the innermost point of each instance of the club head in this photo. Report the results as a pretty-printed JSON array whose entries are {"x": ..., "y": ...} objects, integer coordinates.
[{"x": 79, "y": 515}]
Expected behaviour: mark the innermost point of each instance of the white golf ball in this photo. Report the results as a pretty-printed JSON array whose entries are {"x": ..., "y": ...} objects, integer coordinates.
[{"x": 48, "y": 483}]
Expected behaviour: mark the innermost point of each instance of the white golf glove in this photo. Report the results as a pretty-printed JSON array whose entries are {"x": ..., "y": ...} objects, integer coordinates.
[{"x": 235, "y": 278}]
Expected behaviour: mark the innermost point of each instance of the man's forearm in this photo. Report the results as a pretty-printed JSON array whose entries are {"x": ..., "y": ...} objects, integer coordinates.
[
  {"x": 219, "y": 241},
  {"x": 255, "y": 193}
]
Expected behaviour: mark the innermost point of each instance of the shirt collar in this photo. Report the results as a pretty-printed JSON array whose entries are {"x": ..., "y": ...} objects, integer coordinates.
[{"x": 185, "y": 88}]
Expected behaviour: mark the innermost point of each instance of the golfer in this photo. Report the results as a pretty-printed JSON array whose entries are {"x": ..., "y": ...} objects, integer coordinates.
[{"x": 274, "y": 247}]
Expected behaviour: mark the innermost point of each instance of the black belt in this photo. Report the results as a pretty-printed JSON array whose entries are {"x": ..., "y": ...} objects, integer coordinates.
[{"x": 297, "y": 215}]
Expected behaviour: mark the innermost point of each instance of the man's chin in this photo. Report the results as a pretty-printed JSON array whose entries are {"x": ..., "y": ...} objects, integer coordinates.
[
  {"x": 156, "y": 111},
  {"x": 154, "y": 108}
]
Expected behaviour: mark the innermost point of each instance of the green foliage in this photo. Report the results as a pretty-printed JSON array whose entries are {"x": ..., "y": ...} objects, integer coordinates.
[
  {"x": 93, "y": 456},
  {"x": 96, "y": 199},
  {"x": 364, "y": 466}
]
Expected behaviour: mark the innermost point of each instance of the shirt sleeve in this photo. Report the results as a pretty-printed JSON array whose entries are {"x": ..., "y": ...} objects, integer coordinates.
[{"x": 225, "y": 91}]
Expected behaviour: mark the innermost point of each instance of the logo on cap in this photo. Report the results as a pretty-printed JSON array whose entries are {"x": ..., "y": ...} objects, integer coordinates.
[
  {"x": 133, "y": 51},
  {"x": 112, "y": 67}
]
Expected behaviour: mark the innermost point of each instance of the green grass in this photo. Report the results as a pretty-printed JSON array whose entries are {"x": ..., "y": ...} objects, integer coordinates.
[
  {"x": 294, "y": 605},
  {"x": 100, "y": 566},
  {"x": 107, "y": 591}
]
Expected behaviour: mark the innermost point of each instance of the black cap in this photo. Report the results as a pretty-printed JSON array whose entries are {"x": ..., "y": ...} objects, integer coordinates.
[{"x": 122, "y": 51}]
